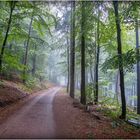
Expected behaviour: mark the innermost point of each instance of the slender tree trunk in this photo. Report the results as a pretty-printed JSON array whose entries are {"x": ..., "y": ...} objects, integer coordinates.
[
  {"x": 68, "y": 63},
  {"x": 122, "y": 88},
  {"x": 68, "y": 77},
  {"x": 26, "y": 50},
  {"x": 91, "y": 73},
  {"x": 72, "y": 51},
  {"x": 138, "y": 68},
  {"x": 12, "y": 6},
  {"x": 83, "y": 92},
  {"x": 34, "y": 61},
  {"x": 68, "y": 55},
  {"x": 97, "y": 62}
]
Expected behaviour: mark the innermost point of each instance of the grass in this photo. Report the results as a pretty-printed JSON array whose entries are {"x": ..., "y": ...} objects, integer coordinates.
[{"x": 132, "y": 114}]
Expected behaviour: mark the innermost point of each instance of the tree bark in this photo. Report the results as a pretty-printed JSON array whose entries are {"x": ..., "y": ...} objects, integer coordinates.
[
  {"x": 12, "y": 6},
  {"x": 72, "y": 51},
  {"x": 34, "y": 61},
  {"x": 26, "y": 50},
  {"x": 68, "y": 63},
  {"x": 138, "y": 68},
  {"x": 83, "y": 92},
  {"x": 97, "y": 62},
  {"x": 122, "y": 88}
]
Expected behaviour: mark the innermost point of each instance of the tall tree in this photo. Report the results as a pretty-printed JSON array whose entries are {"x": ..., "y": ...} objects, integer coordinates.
[
  {"x": 72, "y": 51},
  {"x": 34, "y": 61},
  {"x": 122, "y": 88},
  {"x": 97, "y": 60},
  {"x": 68, "y": 58},
  {"x": 83, "y": 92},
  {"x": 138, "y": 67},
  {"x": 12, "y": 6},
  {"x": 27, "y": 48},
  {"x": 68, "y": 52}
]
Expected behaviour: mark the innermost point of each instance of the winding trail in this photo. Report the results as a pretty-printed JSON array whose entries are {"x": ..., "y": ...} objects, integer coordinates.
[{"x": 33, "y": 120}]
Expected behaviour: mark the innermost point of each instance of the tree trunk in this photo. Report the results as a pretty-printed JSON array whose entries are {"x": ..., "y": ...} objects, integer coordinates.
[
  {"x": 96, "y": 77},
  {"x": 68, "y": 63},
  {"x": 12, "y": 6},
  {"x": 72, "y": 51},
  {"x": 34, "y": 61},
  {"x": 26, "y": 50},
  {"x": 122, "y": 88},
  {"x": 83, "y": 92},
  {"x": 138, "y": 68}
]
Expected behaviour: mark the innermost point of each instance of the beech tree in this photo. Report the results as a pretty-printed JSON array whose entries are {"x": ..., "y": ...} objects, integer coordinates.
[
  {"x": 83, "y": 92},
  {"x": 27, "y": 47},
  {"x": 138, "y": 67},
  {"x": 72, "y": 51},
  {"x": 96, "y": 71},
  {"x": 117, "y": 19}
]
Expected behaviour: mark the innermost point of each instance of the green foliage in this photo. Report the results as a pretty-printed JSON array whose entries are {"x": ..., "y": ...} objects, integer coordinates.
[
  {"x": 31, "y": 82},
  {"x": 110, "y": 107},
  {"x": 14, "y": 55},
  {"x": 11, "y": 62},
  {"x": 90, "y": 92},
  {"x": 128, "y": 60},
  {"x": 131, "y": 114}
]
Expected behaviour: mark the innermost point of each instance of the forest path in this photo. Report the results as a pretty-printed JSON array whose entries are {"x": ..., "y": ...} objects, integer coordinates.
[
  {"x": 34, "y": 120},
  {"x": 51, "y": 114}
]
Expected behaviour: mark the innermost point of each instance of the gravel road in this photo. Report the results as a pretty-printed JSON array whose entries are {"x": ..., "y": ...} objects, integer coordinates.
[{"x": 33, "y": 120}]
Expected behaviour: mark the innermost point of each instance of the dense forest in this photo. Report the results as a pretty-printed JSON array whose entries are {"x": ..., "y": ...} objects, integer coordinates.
[{"x": 91, "y": 48}]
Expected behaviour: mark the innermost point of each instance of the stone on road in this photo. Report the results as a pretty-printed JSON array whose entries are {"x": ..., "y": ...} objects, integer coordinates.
[{"x": 33, "y": 120}]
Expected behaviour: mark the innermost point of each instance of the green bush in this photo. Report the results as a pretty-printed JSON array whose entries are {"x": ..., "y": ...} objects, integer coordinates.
[{"x": 90, "y": 92}]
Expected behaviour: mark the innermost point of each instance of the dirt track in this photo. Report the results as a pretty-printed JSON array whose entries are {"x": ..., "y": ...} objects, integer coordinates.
[
  {"x": 50, "y": 115},
  {"x": 33, "y": 120}
]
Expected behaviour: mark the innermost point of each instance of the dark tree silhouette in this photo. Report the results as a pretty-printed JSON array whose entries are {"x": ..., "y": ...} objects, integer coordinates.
[
  {"x": 83, "y": 92},
  {"x": 123, "y": 100}
]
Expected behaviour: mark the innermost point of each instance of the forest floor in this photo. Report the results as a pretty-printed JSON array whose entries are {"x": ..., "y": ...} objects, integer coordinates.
[
  {"x": 10, "y": 92},
  {"x": 73, "y": 122},
  {"x": 51, "y": 114}
]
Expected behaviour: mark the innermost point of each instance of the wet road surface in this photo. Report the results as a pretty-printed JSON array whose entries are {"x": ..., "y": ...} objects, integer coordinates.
[{"x": 33, "y": 120}]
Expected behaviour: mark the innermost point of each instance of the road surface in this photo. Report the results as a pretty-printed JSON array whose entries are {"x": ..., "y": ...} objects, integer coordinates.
[{"x": 33, "y": 120}]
